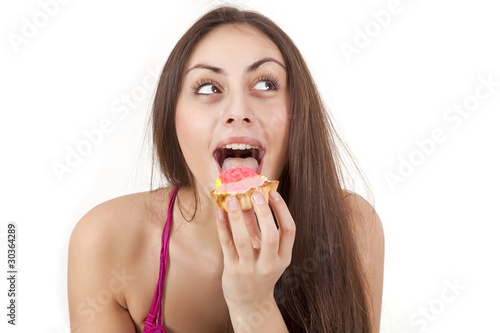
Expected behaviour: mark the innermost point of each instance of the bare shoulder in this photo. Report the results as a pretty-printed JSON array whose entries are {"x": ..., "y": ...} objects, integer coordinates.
[
  {"x": 112, "y": 231},
  {"x": 370, "y": 241},
  {"x": 103, "y": 248},
  {"x": 111, "y": 222},
  {"x": 366, "y": 222},
  {"x": 104, "y": 225}
]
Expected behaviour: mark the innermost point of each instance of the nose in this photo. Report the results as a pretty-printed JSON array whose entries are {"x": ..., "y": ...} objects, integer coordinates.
[
  {"x": 238, "y": 112},
  {"x": 236, "y": 120}
]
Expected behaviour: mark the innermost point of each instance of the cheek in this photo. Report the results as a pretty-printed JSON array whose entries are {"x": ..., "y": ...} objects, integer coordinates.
[
  {"x": 277, "y": 128},
  {"x": 182, "y": 126},
  {"x": 278, "y": 123},
  {"x": 192, "y": 131}
]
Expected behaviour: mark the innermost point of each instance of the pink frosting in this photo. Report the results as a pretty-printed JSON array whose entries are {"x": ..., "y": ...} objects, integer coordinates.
[{"x": 242, "y": 186}]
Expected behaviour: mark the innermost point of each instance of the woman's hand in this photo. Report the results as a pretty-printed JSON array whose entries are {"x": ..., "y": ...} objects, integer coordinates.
[{"x": 251, "y": 271}]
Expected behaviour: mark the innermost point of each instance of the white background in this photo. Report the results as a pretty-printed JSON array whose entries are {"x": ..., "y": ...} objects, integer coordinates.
[{"x": 440, "y": 220}]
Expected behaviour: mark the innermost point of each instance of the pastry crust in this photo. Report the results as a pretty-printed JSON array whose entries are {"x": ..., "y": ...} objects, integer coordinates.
[{"x": 245, "y": 198}]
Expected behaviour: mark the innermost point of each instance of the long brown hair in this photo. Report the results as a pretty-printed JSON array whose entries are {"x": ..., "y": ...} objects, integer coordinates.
[{"x": 323, "y": 289}]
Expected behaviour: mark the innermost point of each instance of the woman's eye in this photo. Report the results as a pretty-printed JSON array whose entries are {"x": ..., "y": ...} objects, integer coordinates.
[
  {"x": 208, "y": 89},
  {"x": 265, "y": 85}
]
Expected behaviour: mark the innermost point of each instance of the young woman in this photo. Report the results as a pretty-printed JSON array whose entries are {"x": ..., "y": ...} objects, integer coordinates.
[{"x": 169, "y": 260}]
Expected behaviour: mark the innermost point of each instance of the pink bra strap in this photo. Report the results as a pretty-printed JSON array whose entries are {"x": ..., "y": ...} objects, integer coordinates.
[{"x": 155, "y": 311}]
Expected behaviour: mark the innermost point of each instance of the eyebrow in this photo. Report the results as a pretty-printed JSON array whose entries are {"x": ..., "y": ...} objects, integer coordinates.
[{"x": 249, "y": 69}]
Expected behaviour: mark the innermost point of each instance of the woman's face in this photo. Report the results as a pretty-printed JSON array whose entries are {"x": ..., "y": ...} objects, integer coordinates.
[{"x": 234, "y": 92}]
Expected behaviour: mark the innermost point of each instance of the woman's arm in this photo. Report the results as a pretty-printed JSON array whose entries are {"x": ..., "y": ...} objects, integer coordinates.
[
  {"x": 369, "y": 234},
  {"x": 95, "y": 277},
  {"x": 262, "y": 316}
]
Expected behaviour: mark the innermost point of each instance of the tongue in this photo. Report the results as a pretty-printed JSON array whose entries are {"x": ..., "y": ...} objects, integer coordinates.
[{"x": 232, "y": 162}]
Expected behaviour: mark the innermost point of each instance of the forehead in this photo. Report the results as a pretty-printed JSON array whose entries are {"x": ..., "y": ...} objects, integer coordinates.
[{"x": 231, "y": 46}]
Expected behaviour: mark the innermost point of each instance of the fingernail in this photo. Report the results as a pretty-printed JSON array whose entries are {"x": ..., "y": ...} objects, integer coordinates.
[
  {"x": 258, "y": 198},
  {"x": 220, "y": 214},
  {"x": 274, "y": 195},
  {"x": 232, "y": 203}
]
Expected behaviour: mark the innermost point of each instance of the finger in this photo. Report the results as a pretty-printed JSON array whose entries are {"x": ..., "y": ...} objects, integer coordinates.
[
  {"x": 252, "y": 228},
  {"x": 270, "y": 238},
  {"x": 285, "y": 223},
  {"x": 225, "y": 237},
  {"x": 241, "y": 238}
]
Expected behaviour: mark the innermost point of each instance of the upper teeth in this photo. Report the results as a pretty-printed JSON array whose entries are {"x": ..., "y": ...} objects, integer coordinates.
[{"x": 239, "y": 146}]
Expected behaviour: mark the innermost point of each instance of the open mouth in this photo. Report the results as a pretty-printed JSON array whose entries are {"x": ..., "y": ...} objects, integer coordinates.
[{"x": 244, "y": 152}]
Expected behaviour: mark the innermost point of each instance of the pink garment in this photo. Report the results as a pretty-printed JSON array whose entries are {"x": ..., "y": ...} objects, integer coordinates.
[{"x": 152, "y": 323}]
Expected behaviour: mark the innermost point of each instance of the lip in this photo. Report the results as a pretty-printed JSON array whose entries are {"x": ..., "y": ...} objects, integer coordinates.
[{"x": 241, "y": 139}]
